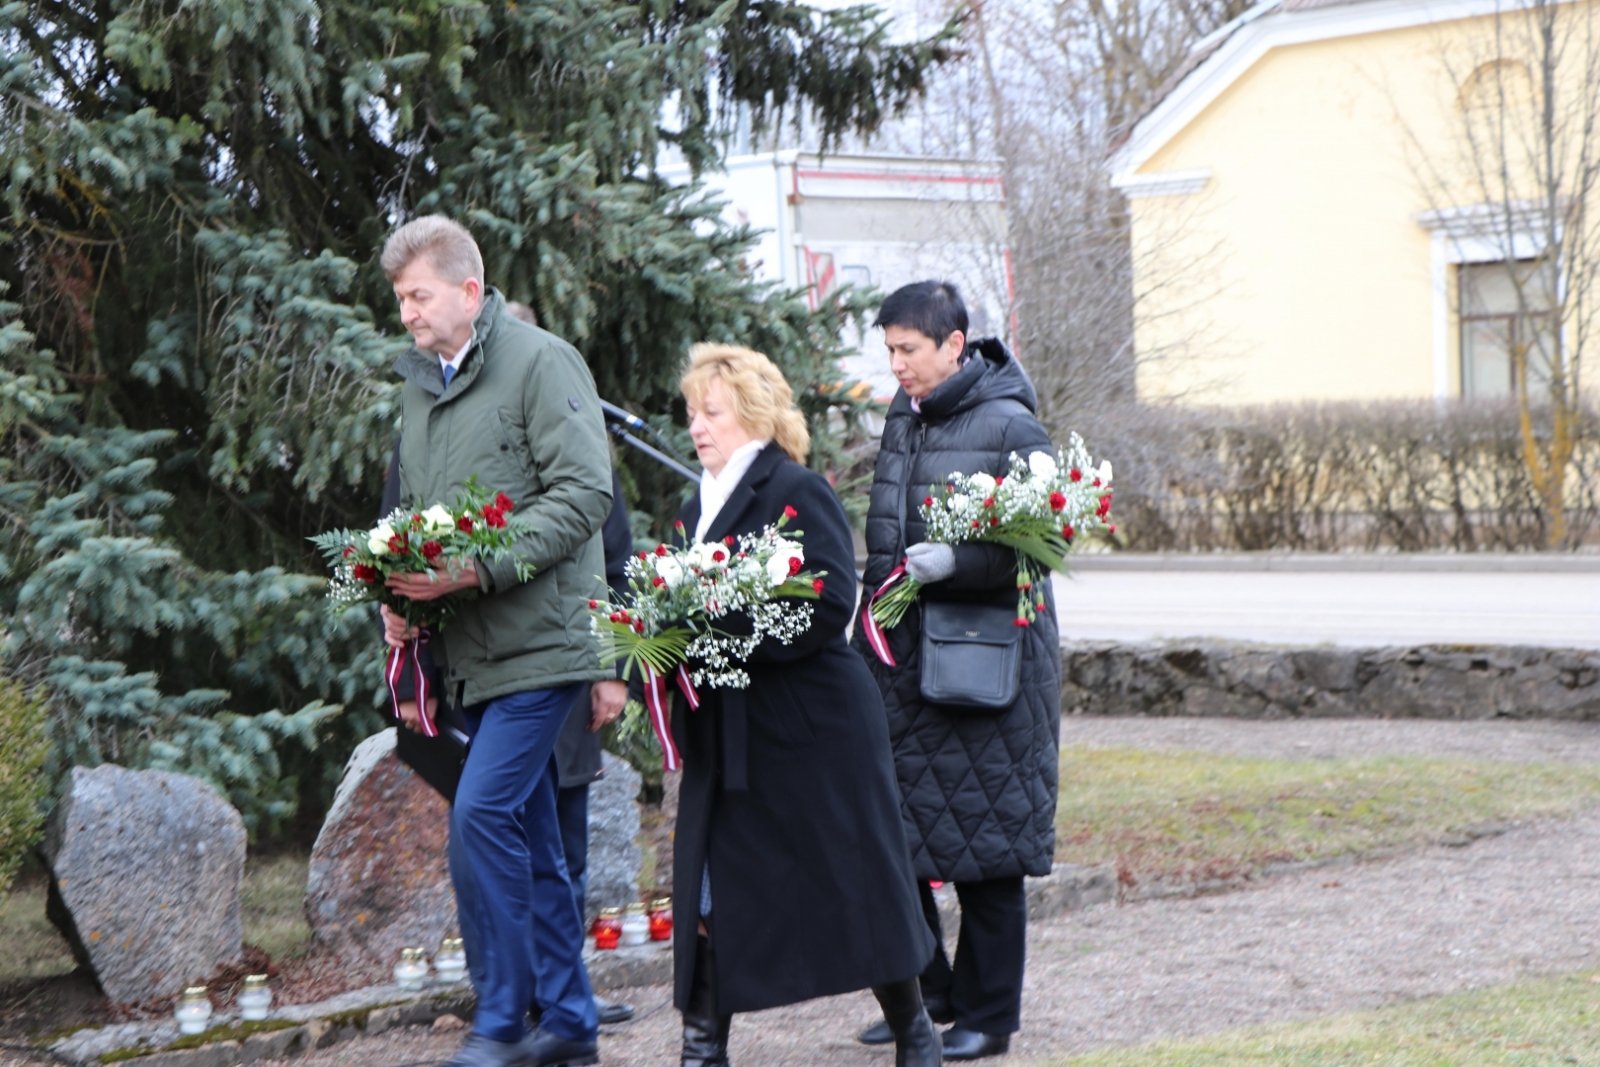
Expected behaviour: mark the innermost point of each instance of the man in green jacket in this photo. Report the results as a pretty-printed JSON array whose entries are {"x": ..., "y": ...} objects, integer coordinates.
[{"x": 488, "y": 396}]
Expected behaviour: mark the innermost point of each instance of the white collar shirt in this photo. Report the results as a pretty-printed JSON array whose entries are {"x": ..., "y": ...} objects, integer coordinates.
[{"x": 453, "y": 364}]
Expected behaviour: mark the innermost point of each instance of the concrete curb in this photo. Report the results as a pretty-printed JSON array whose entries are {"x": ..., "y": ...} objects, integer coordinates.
[{"x": 304, "y": 1027}]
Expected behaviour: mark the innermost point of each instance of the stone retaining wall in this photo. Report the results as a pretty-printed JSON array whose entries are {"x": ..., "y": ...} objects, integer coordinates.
[{"x": 1261, "y": 682}]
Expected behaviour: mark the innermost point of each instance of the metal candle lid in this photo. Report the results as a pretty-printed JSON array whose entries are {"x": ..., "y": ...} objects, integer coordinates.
[
  {"x": 636, "y": 908},
  {"x": 195, "y": 994},
  {"x": 255, "y": 981}
]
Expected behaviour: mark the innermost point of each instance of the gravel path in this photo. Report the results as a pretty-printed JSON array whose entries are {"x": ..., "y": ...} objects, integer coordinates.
[{"x": 1302, "y": 945}]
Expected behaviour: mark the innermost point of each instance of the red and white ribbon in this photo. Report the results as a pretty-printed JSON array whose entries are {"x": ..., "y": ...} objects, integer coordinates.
[
  {"x": 394, "y": 668},
  {"x": 869, "y": 626},
  {"x": 656, "y": 703}
]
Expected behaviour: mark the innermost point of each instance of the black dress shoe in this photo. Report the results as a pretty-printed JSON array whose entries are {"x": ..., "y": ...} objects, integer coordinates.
[
  {"x": 939, "y": 1011},
  {"x": 962, "y": 1044},
  {"x": 877, "y": 1034},
  {"x": 545, "y": 1049},
  {"x": 611, "y": 1012}
]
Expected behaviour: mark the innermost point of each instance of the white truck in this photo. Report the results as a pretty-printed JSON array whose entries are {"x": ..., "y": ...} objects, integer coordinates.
[{"x": 874, "y": 220}]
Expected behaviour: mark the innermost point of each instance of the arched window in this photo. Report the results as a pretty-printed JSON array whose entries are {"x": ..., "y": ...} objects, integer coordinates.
[{"x": 1499, "y": 85}]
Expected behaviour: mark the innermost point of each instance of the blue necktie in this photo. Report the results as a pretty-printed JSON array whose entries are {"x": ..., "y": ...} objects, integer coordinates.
[{"x": 449, "y": 372}]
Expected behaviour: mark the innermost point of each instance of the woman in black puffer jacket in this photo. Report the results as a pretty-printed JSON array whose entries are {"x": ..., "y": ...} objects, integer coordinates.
[{"x": 978, "y": 788}]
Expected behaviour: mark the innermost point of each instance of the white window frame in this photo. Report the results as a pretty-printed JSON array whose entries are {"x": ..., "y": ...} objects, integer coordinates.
[{"x": 1473, "y": 234}]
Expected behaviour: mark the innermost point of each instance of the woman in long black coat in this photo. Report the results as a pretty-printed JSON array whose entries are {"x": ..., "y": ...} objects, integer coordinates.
[
  {"x": 789, "y": 835},
  {"x": 978, "y": 786}
]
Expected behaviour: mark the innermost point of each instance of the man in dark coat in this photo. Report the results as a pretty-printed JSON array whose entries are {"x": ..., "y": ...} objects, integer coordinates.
[{"x": 978, "y": 787}]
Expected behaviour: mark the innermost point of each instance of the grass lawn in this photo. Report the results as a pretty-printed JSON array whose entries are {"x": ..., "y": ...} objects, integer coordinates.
[
  {"x": 1176, "y": 819},
  {"x": 272, "y": 906},
  {"x": 1544, "y": 1022}
]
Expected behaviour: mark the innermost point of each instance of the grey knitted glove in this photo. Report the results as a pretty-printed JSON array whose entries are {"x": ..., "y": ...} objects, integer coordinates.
[{"x": 930, "y": 562}]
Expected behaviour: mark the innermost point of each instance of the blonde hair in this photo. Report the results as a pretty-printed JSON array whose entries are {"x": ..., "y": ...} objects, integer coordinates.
[
  {"x": 446, "y": 243},
  {"x": 760, "y": 397}
]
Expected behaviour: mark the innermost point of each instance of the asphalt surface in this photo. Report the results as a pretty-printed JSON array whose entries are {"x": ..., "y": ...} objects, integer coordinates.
[{"x": 1363, "y": 608}]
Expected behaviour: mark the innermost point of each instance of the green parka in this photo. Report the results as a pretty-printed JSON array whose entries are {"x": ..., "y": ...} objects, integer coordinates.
[{"x": 522, "y": 415}]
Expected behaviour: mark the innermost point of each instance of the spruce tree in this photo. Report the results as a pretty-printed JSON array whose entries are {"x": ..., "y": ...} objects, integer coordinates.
[{"x": 195, "y": 360}]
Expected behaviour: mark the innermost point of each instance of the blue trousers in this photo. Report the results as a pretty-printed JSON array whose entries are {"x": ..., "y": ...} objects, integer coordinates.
[{"x": 520, "y": 921}]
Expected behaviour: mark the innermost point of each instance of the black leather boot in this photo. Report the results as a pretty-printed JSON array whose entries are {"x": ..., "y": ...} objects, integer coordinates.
[
  {"x": 916, "y": 1042},
  {"x": 705, "y": 1032}
]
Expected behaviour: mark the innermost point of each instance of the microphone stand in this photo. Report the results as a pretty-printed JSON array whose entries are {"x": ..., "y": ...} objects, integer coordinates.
[{"x": 615, "y": 420}]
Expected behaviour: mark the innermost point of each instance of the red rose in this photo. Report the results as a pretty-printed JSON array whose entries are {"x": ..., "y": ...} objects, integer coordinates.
[
  {"x": 644, "y": 555},
  {"x": 1075, "y": 474},
  {"x": 593, "y": 604},
  {"x": 976, "y": 524},
  {"x": 493, "y": 517},
  {"x": 464, "y": 524},
  {"x": 1112, "y": 528},
  {"x": 789, "y": 512},
  {"x": 1066, "y": 531},
  {"x": 999, "y": 481},
  {"x": 416, "y": 520},
  {"x": 503, "y": 502},
  {"x": 1097, "y": 483},
  {"x": 817, "y": 585},
  {"x": 988, "y": 501},
  {"x": 718, "y": 556},
  {"x": 1021, "y": 621},
  {"x": 729, "y": 541},
  {"x": 432, "y": 550},
  {"x": 661, "y": 550},
  {"x": 638, "y": 626},
  {"x": 349, "y": 550},
  {"x": 364, "y": 573},
  {"x": 994, "y": 520},
  {"x": 927, "y": 501},
  {"x": 615, "y": 616},
  {"x": 794, "y": 565},
  {"x": 658, "y": 581},
  {"x": 678, "y": 524},
  {"x": 397, "y": 543},
  {"x": 1057, "y": 501}
]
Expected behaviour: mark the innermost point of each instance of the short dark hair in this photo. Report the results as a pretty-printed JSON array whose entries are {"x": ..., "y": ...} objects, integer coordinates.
[{"x": 932, "y": 308}]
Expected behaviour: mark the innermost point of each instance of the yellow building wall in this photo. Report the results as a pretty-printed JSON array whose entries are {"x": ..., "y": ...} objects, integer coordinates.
[{"x": 1300, "y": 272}]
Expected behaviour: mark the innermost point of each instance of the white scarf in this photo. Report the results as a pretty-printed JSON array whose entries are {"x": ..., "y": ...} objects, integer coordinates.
[{"x": 716, "y": 488}]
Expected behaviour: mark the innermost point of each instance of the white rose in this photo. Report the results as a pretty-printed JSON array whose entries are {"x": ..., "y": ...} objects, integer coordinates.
[
  {"x": 983, "y": 483},
  {"x": 670, "y": 570},
  {"x": 1105, "y": 472},
  {"x": 1042, "y": 464},
  {"x": 437, "y": 519},
  {"x": 705, "y": 555},
  {"x": 959, "y": 502},
  {"x": 378, "y": 539},
  {"x": 778, "y": 566}
]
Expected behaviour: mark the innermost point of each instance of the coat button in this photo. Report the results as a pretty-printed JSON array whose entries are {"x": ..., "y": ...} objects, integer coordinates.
[{"x": 505, "y": 448}]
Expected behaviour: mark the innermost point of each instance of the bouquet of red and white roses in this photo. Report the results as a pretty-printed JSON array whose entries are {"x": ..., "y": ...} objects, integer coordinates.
[
  {"x": 668, "y": 625},
  {"x": 480, "y": 523},
  {"x": 1043, "y": 508}
]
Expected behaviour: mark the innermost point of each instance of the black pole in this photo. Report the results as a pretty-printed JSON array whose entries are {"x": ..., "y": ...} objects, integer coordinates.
[{"x": 654, "y": 453}]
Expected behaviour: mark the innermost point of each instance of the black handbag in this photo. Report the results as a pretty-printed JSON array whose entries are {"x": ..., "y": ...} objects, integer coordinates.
[{"x": 971, "y": 655}]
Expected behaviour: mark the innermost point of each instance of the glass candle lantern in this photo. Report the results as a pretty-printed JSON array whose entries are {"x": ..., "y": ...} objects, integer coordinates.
[
  {"x": 254, "y": 998},
  {"x": 194, "y": 1010},
  {"x": 412, "y": 970},
  {"x": 635, "y": 925},
  {"x": 451, "y": 960},
  {"x": 608, "y": 928},
  {"x": 661, "y": 919}
]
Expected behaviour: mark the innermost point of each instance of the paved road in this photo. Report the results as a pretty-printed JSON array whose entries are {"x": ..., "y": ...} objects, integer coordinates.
[{"x": 1364, "y": 608}]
